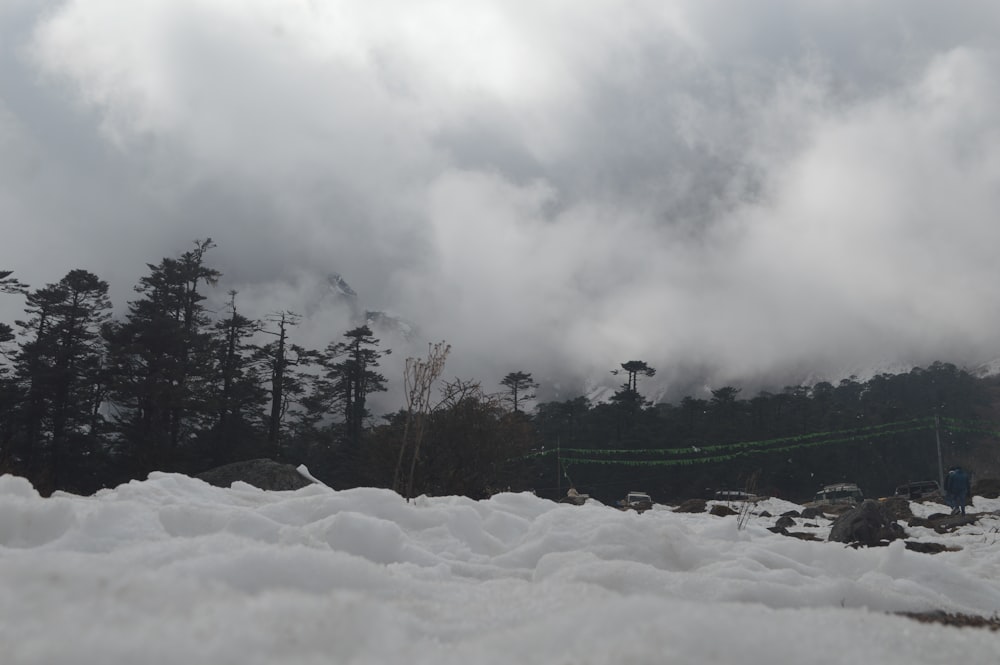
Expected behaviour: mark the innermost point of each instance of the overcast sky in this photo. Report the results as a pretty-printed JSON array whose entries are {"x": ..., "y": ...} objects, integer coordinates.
[{"x": 740, "y": 193}]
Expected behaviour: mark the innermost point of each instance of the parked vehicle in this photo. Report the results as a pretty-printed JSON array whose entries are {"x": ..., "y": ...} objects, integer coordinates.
[
  {"x": 735, "y": 495},
  {"x": 920, "y": 489},
  {"x": 839, "y": 493},
  {"x": 639, "y": 501}
]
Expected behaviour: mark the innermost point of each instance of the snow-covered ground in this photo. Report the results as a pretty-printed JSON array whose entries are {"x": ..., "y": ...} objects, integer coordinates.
[{"x": 172, "y": 570}]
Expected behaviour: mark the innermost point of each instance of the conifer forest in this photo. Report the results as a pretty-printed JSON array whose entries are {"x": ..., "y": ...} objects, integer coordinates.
[{"x": 89, "y": 400}]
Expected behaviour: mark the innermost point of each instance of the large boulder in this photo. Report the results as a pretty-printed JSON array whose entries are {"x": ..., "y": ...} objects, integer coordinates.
[
  {"x": 897, "y": 507},
  {"x": 721, "y": 510},
  {"x": 691, "y": 506},
  {"x": 866, "y": 525},
  {"x": 574, "y": 497},
  {"x": 988, "y": 488},
  {"x": 785, "y": 521},
  {"x": 811, "y": 512},
  {"x": 263, "y": 473},
  {"x": 943, "y": 522}
]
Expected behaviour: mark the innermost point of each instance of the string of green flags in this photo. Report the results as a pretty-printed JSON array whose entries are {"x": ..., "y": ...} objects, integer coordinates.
[
  {"x": 708, "y": 459},
  {"x": 970, "y": 426},
  {"x": 691, "y": 455},
  {"x": 872, "y": 430}
]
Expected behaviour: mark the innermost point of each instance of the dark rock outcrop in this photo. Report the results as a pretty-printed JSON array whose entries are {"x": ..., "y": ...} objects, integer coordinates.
[
  {"x": 988, "y": 488},
  {"x": 785, "y": 521},
  {"x": 942, "y": 523},
  {"x": 928, "y": 548},
  {"x": 721, "y": 510},
  {"x": 837, "y": 509},
  {"x": 691, "y": 506},
  {"x": 866, "y": 525},
  {"x": 574, "y": 497},
  {"x": 801, "y": 535},
  {"x": 263, "y": 473},
  {"x": 897, "y": 507}
]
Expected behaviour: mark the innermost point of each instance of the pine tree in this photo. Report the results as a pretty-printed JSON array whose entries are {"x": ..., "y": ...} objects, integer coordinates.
[
  {"x": 349, "y": 378},
  {"x": 238, "y": 395},
  {"x": 520, "y": 385},
  {"x": 10, "y": 394},
  {"x": 284, "y": 366},
  {"x": 60, "y": 367},
  {"x": 161, "y": 362},
  {"x": 633, "y": 368}
]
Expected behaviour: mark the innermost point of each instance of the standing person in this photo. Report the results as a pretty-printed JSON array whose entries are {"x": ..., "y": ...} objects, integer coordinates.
[
  {"x": 949, "y": 492},
  {"x": 962, "y": 488},
  {"x": 958, "y": 486}
]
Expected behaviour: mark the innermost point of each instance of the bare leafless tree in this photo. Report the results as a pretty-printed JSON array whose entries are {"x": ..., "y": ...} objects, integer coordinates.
[{"x": 418, "y": 378}]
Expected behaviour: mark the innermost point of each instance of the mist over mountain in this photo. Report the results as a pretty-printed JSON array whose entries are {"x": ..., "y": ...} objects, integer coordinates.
[{"x": 334, "y": 298}]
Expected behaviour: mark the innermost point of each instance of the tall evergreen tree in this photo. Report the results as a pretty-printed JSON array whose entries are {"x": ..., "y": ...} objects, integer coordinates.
[
  {"x": 356, "y": 377},
  {"x": 349, "y": 378},
  {"x": 10, "y": 394},
  {"x": 285, "y": 372},
  {"x": 520, "y": 385},
  {"x": 161, "y": 361},
  {"x": 60, "y": 366},
  {"x": 632, "y": 369},
  {"x": 276, "y": 355},
  {"x": 238, "y": 395}
]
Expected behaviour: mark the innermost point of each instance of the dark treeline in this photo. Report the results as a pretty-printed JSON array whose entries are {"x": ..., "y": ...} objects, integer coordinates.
[
  {"x": 89, "y": 401},
  {"x": 878, "y": 433}
]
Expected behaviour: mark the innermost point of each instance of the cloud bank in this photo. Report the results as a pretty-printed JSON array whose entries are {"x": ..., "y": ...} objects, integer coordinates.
[{"x": 737, "y": 195}]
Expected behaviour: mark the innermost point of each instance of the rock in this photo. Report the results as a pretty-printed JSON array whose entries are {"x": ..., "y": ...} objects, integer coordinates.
[
  {"x": 691, "y": 506},
  {"x": 721, "y": 510},
  {"x": 785, "y": 521},
  {"x": 801, "y": 535},
  {"x": 897, "y": 507},
  {"x": 927, "y": 548},
  {"x": 792, "y": 513},
  {"x": 942, "y": 523},
  {"x": 263, "y": 473},
  {"x": 837, "y": 508},
  {"x": 810, "y": 513},
  {"x": 574, "y": 497},
  {"x": 988, "y": 488},
  {"x": 865, "y": 525}
]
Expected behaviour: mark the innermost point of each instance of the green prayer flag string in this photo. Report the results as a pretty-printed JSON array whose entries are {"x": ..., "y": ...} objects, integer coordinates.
[{"x": 740, "y": 449}]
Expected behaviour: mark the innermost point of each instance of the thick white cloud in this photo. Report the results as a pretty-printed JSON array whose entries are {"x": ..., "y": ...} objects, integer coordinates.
[{"x": 731, "y": 192}]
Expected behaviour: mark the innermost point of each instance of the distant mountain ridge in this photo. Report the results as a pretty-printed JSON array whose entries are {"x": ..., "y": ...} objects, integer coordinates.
[
  {"x": 670, "y": 384},
  {"x": 380, "y": 321}
]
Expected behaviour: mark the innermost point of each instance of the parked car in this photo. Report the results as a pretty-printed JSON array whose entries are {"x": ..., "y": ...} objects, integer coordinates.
[
  {"x": 639, "y": 501},
  {"x": 735, "y": 495},
  {"x": 920, "y": 489},
  {"x": 839, "y": 493}
]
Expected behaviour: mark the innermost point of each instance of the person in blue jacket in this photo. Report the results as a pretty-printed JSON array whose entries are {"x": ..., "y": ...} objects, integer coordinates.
[{"x": 957, "y": 487}]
